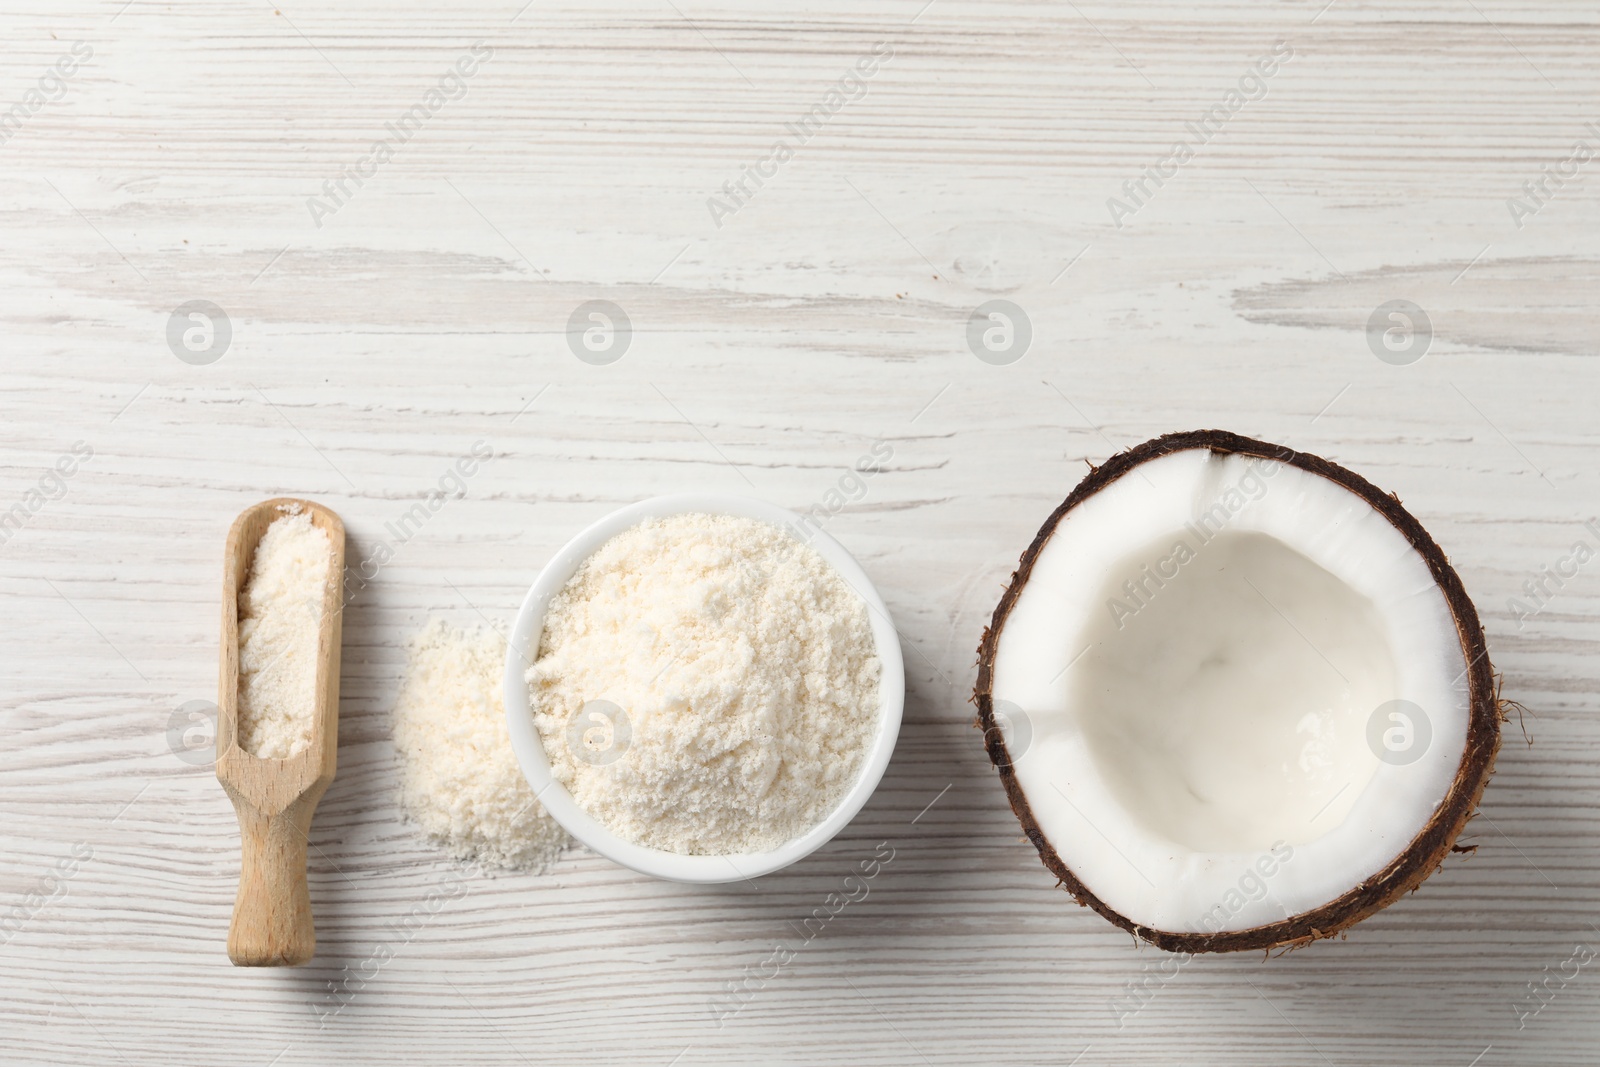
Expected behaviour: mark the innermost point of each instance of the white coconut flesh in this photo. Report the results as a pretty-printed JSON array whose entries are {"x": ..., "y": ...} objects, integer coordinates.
[{"x": 1206, "y": 659}]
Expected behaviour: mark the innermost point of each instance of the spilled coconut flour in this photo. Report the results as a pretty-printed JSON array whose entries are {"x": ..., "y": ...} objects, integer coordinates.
[
  {"x": 459, "y": 779},
  {"x": 280, "y": 620},
  {"x": 741, "y": 670}
]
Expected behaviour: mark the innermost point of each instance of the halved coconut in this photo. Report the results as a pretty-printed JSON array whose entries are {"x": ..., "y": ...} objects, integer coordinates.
[{"x": 1237, "y": 696}]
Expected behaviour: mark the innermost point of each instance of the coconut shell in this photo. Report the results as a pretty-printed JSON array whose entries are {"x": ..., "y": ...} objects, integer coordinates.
[{"x": 1426, "y": 851}]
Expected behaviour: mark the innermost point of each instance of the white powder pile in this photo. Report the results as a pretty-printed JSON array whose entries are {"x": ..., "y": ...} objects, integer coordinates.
[
  {"x": 280, "y": 618},
  {"x": 741, "y": 673},
  {"x": 459, "y": 778}
]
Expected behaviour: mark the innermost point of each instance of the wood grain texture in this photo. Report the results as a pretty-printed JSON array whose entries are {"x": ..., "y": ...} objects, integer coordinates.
[{"x": 767, "y": 355}]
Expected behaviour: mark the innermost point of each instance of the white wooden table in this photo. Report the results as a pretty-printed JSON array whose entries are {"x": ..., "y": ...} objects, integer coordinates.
[{"x": 429, "y": 310}]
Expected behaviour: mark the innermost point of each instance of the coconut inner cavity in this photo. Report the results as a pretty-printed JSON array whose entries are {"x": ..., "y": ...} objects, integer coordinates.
[
  {"x": 1225, "y": 692},
  {"x": 1237, "y": 696}
]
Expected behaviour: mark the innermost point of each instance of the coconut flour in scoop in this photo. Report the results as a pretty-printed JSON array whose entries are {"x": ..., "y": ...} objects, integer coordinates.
[
  {"x": 280, "y": 622},
  {"x": 706, "y": 685}
]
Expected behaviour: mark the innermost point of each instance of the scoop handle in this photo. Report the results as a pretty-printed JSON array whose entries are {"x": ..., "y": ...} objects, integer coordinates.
[{"x": 272, "y": 924}]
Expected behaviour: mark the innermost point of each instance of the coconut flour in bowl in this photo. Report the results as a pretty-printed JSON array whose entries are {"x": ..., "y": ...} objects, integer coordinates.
[{"x": 706, "y": 685}]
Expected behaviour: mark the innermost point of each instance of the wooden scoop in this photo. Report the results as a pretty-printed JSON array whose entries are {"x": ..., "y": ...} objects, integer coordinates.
[{"x": 275, "y": 798}]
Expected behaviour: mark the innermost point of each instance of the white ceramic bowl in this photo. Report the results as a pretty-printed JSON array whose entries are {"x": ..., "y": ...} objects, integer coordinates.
[{"x": 524, "y": 646}]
